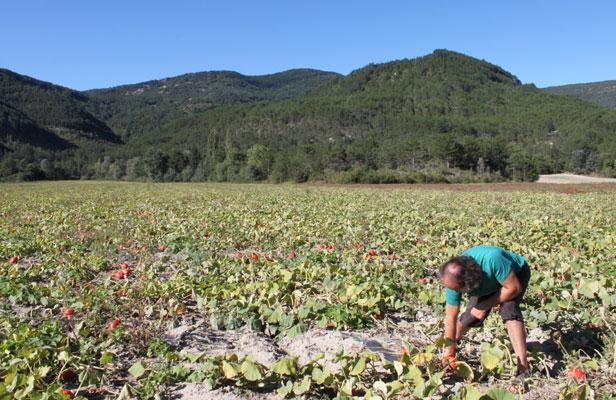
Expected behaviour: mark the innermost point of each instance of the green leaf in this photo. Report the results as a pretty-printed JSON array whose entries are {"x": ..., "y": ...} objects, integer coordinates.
[
  {"x": 429, "y": 387},
  {"x": 347, "y": 387},
  {"x": 414, "y": 375},
  {"x": 106, "y": 358},
  {"x": 322, "y": 376},
  {"x": 491, "y": 357},
  {"x": 90, "y": 376},
  {"x": 229, "y": 370},
  {"x": 581, "y": 392},
  {"x": 592, "y": 363},
  {"x": 286, "y": 389},
  {"x": 192, "y": 357},
  {"x": 371, "y": 396},
  {"x": 498, "y": 393},
  {"x": 423, "y": 358},
  {"x": 296, "y": 330},
  {"x": 470, "y": 392},
  {"x": 137, "y": 370},
  {"x": 26, "y": 391},
  {"x": 464, "y": 371},
  {"x": 286, "y": 275},
  {"x": 302, "y": 387},
  {"x": 217, "y": 322},
  {"x": 250, "y": 370},
  {"x": 394, "y": 387},
  {"x": 11, "y": 381},
  {"x": 276, "y": 316},
  {"x": 359, "y": 367},
  {"x": 589, "y": 288},
  {"x": 285, "y": 366}
]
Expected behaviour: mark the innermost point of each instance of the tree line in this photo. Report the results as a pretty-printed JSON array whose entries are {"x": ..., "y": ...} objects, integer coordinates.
[{"x": 446, "y": 158}]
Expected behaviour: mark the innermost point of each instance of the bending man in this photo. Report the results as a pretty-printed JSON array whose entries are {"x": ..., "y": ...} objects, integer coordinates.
[{"x": 491, "y": 276}]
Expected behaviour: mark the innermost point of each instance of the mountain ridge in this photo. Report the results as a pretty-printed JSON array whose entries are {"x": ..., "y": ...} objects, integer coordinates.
[
  {"x": 173, "y": 97},
  {"x": 474, "y": 110},
  {"x": 405, "y": 120},
  {"x": 602, "y": 93}
]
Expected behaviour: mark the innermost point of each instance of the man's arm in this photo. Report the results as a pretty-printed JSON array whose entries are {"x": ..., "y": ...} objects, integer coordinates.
[
  {"x": 451, "y": 317},
  {"x": 510, "y": 289}
]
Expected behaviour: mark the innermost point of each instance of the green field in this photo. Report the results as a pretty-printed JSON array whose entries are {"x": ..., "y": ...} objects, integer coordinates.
[{"x": 282, "y": 262}]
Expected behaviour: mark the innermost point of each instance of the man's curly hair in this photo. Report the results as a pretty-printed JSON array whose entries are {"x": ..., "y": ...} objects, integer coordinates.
[{"x": 464, "y": 270}]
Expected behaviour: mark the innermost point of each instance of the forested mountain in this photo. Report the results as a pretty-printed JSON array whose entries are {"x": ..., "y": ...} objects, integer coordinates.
[
  {"x": 47, "y": 115},
  {"x": 401, "y": 120},
  {"x": 442, "y": 117},
  {"x": 17, "y": 126},
  {"x": 142, "y": 107},
  {"x": 601, "y": 93}
]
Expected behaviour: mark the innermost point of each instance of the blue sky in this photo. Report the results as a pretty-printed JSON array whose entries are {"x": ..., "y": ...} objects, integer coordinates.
[{"x": 89, "y": 44}]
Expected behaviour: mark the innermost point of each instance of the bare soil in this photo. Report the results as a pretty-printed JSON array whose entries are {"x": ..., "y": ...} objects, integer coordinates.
[
  {"x": 573, "y": 178},
  {"x": 387, "y": 339},
  {"x": 566, "y": 188}
]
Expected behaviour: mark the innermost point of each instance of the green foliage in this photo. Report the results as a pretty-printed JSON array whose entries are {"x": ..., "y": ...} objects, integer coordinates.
[
  {"x": 492, "y": 357},
  {"x": 258, "y": 162}
]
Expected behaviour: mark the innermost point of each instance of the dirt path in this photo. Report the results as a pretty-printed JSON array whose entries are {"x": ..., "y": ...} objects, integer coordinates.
[
  {"x": 573, "y": 179},
  {"x": 567, "y": 188}
]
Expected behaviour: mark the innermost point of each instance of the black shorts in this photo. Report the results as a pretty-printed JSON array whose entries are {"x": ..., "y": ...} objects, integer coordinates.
[{"x": 509, "y": 310}]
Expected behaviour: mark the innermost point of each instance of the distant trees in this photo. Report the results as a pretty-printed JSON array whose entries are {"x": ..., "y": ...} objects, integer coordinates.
[
  {"x": 155, "y": 164},
  {"x": 258, "y": 162}
]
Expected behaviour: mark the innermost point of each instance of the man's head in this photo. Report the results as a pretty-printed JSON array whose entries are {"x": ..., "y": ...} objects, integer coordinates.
[{"x": 461, "y": 274}]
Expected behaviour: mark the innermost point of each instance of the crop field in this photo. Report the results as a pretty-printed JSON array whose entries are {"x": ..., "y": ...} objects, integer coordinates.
[{"x": 219, "y": 291}]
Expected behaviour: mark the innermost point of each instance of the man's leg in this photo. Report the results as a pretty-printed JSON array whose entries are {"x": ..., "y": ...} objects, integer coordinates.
[
  {"x": 517, "y": 334},
  {"x": 468, "y": 321},
  {"x": 512, "y": 315}
]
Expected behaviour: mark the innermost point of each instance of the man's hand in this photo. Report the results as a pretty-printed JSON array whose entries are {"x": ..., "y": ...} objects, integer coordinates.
[{"x": 448, "y": 355}]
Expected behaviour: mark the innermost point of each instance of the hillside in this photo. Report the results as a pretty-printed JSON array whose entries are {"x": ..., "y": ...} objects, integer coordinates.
[
  {"x": 47, "y": 115},
  {"x": 444, "y": 117},
  {"x": 142, "y": 107},
  {"x": 601, "y": 93},
  {"x": 446, "y": 109},
  {"x": 16, "y": 127}
]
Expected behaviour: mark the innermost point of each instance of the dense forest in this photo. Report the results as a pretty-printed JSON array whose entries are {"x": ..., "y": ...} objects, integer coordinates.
[
  {"x": 444, "y": 117},
  {"x": 140, "y": 108}
]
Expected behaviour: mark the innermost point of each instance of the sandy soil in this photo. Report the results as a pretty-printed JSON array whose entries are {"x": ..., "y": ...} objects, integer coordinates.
[
  {"x": 573, "y": 179},
  {"x": 200, "y": 391},
  {"x": 386, "y": 340},
  {"x": 567, "y": 188}
]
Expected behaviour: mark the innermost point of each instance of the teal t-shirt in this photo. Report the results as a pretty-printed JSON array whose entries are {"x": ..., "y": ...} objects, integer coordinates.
[{"x": 496, "y": 264}]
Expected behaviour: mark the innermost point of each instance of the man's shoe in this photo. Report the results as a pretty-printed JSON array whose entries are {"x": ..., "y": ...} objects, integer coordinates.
[
  {"x": 519, "y": 383},
  {"x": 522, "y": 375}
]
